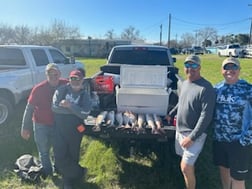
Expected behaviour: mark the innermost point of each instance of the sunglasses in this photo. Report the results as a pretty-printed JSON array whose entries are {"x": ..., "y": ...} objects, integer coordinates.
[
  {"x": 52, "y": 74},
  {"x": 75, "y": 79},
  {"x": 230, "y": 67},
  {"x": 193, "y": 65}
]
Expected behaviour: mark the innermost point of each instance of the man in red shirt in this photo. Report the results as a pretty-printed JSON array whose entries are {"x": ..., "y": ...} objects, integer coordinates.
[{"x": 38, "y": 114}]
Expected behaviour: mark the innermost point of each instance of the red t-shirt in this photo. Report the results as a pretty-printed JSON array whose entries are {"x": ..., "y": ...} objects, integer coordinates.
[{"x": 41, "y": 98}]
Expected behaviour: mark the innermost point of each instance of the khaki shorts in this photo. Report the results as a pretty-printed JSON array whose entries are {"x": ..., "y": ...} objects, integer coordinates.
[{"x": 189, "y": 155}]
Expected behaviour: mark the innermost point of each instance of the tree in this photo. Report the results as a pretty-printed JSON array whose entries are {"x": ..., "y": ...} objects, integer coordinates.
[
  {"x": 110, "y": 34},
  {"x": 242, "y": 39},
  {"x": 42, "y": 36},
  {"x": 23, "y": 34},
  {"x": 61, "y": 31},
  {"x": 207, "y": 43},
  {"x": 187, "y": 40},
  {"x": 207, "y": 34},
  {"x": 130, "y": 33},
  {"x": 7, "y": 34}
]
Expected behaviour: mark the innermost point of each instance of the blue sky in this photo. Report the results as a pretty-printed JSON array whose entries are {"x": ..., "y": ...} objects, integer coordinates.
[{"x": 96, "y": 17}]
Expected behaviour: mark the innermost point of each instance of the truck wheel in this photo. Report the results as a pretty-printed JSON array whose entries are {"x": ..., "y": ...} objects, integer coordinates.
[{"x": 6, "y": 110}]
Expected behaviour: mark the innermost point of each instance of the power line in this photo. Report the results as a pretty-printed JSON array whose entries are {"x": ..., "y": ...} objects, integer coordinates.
[{"x": 207, "y": 24}]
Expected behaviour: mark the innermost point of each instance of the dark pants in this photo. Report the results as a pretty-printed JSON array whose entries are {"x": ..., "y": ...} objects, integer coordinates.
[{"x": 67, "y": 146}]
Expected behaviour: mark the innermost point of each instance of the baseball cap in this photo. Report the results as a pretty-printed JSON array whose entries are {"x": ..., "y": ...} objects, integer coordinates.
[
  {"x": 193, "y": 58},
  {"x": 52, "y": 66},
  {"x": 231, "y": 60},
  {"x": 76, "y": 73}
]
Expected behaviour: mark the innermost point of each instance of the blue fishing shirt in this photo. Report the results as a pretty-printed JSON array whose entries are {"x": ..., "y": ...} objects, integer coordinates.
[{"x": 233, "y": 113}]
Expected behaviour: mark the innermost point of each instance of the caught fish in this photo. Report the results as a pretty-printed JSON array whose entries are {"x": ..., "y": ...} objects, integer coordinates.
[
  {"x": 126, "y": 120},
  {"x": 158, "y": 123},
  {"x": 150, "y": 123},
  {"x": 132, "y": 120},
  {"x": 140, "y": 123},
  {"x": 99, "y": 120},
  {"x": 119, "y": 118},
  {"x": 140, "y": 120},
  {"x": 110, "y": 118}
]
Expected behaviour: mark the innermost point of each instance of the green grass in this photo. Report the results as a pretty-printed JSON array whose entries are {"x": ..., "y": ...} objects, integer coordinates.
[{"x": 110, "y": 167}]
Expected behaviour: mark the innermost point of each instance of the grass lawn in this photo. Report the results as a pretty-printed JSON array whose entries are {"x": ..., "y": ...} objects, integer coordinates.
[{"x": 110, "y": 167}]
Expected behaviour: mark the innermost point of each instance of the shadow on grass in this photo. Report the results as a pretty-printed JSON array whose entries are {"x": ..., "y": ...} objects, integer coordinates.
[{"x": 161, "y": 172}]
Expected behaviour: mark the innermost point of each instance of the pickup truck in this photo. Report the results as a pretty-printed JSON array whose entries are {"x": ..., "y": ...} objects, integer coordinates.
[
  {"x": 232, "y": 50},
  {"x": 23, "y": 66},
  {"x": 138, "y": 81}
]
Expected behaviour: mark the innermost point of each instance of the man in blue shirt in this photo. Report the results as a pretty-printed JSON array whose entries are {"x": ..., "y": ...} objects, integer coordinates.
[{"x": 232, "y": 126}]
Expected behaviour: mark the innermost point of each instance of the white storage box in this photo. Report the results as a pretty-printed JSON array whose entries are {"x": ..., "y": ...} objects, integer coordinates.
[{"x": 143, "y": 90}]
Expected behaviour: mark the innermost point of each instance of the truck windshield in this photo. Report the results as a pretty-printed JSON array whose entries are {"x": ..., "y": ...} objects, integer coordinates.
[{"x": 140, "y": 57}]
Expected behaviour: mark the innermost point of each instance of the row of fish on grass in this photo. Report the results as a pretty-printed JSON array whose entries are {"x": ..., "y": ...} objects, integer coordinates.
[{"x": 129, "y": 120}]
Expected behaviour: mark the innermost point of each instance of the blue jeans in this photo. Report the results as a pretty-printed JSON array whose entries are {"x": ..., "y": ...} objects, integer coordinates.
[{"x": 43, "y": 136}]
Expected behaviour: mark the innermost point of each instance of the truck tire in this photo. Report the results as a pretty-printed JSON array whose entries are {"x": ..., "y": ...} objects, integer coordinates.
[{"x": 6, "y": 110}]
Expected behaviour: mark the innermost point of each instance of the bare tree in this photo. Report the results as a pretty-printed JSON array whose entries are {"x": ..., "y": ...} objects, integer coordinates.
[
  {"x": 207, "y": 33},
  {"x": 187, "y": 40},
  {"x": 7, "y": 34},
  {"x": 110, "y": 34},
  {"x": 23, "y": 34},
  {"x": 59, "y": 30},
  {"x": 130, "y": 33},
  {"x": 42, "y": 36}
]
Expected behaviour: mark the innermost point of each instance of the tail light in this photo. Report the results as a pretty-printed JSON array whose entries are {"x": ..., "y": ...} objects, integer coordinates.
[{"x": 103, "y": 84}]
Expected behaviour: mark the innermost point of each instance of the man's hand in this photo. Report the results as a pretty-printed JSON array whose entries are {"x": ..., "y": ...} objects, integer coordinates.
[
  {"x": 186, "y": 142},
  {"x": 65, "y": 103},
  {"x": 25, "y": 134}
]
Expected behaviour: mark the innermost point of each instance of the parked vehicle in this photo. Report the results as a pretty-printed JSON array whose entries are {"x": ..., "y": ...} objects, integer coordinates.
[
  {"x": 23, "y": 66},
  {"x": 138, "y": 82},
  {"x": 187, "y": 51},
  {"x": 197, "y": 50},
  {"x": 231, "y": 50},
  {"x": 247, "y": 52}
]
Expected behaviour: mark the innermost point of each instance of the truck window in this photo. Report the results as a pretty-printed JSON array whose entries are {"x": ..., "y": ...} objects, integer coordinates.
[
  {"x": 40, "y": 57},
  {"x": 140, "y": 57},
  {"x": 11, "y": 57},
  {"x": 57, "y": 57}
]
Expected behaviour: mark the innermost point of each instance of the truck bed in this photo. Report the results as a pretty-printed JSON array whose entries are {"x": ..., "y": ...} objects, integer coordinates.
[{"x": 113, "y": 133}]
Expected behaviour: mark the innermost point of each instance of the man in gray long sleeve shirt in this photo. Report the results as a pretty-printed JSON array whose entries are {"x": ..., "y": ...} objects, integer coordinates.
[{"x": 194, "y": 114}]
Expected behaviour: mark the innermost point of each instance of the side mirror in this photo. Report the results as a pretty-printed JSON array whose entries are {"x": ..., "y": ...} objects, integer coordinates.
[
  {"x": 174, "y": 59},
  {"x": 72, "y": 60}
]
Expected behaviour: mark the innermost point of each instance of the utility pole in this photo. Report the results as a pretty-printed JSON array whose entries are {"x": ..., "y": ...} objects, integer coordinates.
[
  {"x": 250, "y": 33},
  {"x": 160, "y": 42},
  {"x": 169, "y": 31}
]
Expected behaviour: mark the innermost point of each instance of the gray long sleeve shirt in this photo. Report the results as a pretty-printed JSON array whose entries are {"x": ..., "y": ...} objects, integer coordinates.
[{"x": 195, "y": 107}]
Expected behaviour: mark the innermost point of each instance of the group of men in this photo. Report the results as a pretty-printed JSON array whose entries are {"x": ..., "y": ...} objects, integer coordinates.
[
  {"x": 58, "y": 106},
  {"x": 227, "y": 107}
]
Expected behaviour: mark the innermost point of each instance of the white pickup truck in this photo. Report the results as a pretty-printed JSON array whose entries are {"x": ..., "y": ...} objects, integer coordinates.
[
  {"x": 232, "y": 50},
  {"x": 23, "y": 66}
]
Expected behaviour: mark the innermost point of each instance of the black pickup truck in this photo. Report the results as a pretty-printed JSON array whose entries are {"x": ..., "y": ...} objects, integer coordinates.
[{"x": 129, "y": 69}]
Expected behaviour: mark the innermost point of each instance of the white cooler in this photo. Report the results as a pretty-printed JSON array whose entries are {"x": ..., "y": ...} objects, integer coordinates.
[{"x": 143, "y": 89}]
